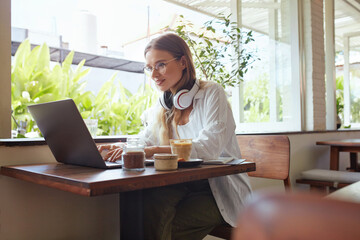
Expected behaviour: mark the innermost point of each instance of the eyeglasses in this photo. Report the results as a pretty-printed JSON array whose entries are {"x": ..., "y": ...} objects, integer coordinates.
[{"x": 160, "y": 67}]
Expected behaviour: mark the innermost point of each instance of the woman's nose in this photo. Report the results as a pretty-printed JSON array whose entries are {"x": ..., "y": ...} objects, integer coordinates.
[{"x": 154, "y": 74}]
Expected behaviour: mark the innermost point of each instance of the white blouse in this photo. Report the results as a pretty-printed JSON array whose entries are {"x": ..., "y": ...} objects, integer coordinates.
[{"x": 211, "y": 127}]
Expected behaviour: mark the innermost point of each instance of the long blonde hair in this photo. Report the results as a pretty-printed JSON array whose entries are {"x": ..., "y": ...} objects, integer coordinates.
[{"x": 167, "y": 120}]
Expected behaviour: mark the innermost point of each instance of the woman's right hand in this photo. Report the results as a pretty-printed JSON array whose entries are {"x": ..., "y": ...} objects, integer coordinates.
[{"x": 111, "y": 152}]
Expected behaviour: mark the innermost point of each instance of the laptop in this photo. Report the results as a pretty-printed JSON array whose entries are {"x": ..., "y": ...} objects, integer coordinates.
[{"x": 67, "y": 135}]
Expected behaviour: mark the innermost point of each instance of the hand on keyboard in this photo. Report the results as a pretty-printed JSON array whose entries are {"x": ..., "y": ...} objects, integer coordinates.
[{"x": 111, "y": 152}]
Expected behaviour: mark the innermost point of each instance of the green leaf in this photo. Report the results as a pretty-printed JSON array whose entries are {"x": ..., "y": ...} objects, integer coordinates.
[
  {"x": 66, "y": 65},
  {"x": 21, "y": 54},
  {"x": 43, "y": 62}
]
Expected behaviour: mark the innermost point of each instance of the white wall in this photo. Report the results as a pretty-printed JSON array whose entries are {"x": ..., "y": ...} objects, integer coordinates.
[{"x": 30, "y": 211}]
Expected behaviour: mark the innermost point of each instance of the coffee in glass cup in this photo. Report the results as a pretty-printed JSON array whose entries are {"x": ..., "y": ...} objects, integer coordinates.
[{"x": 181, "y": 147}]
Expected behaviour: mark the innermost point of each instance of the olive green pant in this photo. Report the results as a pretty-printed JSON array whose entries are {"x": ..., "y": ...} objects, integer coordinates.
[{"x": 182, "y": 211}]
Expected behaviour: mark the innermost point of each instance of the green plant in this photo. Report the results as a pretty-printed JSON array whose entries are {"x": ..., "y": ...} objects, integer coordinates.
[
  {"x": 220, "y": 44},
  {"x": 118, "y": 110},
  {"x": 33, "y": 81},
  {"x": 340, "y": 96},
  {"x": 256, "y": 100}
]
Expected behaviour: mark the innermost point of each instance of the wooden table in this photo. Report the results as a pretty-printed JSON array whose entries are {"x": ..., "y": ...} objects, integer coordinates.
[
  {"x": 94, "y": 182},
  {"x": 345, "y": 145}
]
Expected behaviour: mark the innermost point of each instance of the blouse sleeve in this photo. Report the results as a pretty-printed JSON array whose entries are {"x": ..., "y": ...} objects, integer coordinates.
[{"x": 219, "y": 125}]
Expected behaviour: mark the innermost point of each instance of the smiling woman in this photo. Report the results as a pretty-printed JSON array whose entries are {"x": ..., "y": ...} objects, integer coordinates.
[{"x": 206, "y": 124}]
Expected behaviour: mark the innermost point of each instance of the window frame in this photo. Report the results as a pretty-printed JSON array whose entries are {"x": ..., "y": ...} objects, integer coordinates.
[{"x": 5, "y": 69}]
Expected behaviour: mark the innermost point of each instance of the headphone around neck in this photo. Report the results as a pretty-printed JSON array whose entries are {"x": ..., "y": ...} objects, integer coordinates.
[{"x": 181, "y": 100}]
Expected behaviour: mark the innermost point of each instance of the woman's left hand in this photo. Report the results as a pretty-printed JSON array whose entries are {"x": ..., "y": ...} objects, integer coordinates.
[{"x": 113, "y": 155}]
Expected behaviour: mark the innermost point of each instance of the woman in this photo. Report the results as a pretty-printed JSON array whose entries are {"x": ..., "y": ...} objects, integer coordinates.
[{"x": 197, "y": 110}]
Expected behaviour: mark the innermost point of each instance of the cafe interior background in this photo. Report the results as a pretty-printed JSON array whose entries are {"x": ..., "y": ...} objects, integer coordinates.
[{"x": 304, "y": 49}]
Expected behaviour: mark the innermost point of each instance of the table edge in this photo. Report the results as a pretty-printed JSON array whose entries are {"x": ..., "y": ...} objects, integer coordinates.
[
  {"x": 48, "y": 180},
  {"x": 122, "y": 185}
]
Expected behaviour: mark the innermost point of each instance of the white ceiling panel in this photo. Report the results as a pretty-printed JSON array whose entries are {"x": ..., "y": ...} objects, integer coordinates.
[{"x": 255, "y": 15}]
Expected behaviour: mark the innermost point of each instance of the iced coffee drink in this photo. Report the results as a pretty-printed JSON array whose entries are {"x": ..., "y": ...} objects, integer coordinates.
[{"x": 181, "y": 147}]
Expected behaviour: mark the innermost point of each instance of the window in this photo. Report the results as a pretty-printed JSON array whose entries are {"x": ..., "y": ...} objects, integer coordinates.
[
  {"x": 347, "y": 62},
  {"x": 269, "y": 98}
]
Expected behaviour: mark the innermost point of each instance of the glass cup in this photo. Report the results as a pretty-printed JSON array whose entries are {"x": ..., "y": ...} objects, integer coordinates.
[
  {"x": 92, "y": 125},
  {"x": 133, "y": 157},
  {"x": 181, "y": 147}
]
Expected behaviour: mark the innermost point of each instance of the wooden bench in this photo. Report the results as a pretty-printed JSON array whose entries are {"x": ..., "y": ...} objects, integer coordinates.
[
  {"x": 271, "y": 153},
  {"x": 327, "y": 181}
]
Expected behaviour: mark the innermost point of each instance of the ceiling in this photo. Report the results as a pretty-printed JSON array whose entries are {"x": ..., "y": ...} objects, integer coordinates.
[
  {"x": 347, "y": 23},
  {"x": 255, "y": 15}
]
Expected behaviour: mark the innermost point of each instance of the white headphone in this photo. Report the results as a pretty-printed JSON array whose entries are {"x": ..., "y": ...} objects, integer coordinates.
[{"x": 181, "y": 100}]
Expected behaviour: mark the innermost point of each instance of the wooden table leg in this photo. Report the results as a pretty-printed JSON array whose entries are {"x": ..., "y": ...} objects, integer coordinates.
[
  {"x": 334, "y": 158},
  {"x": 131, "y": 215}
]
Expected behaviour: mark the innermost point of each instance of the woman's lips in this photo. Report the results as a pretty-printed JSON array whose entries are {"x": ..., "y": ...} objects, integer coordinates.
[{"x": 159, "y": 82}]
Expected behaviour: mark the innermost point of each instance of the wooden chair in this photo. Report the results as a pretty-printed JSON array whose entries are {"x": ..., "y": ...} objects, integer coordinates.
[
  {"x": 271, "y": 153},
  {"x": 298, "y": 216}
]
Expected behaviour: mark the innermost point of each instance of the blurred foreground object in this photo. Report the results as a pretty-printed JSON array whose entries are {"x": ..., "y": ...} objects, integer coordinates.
[
  {"x": 349, "y": 193},
  {"x": 298, "y": 216}
]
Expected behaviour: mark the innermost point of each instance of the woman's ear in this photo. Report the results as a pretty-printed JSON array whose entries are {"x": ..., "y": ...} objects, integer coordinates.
[{"x": 183, "y": 62}]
